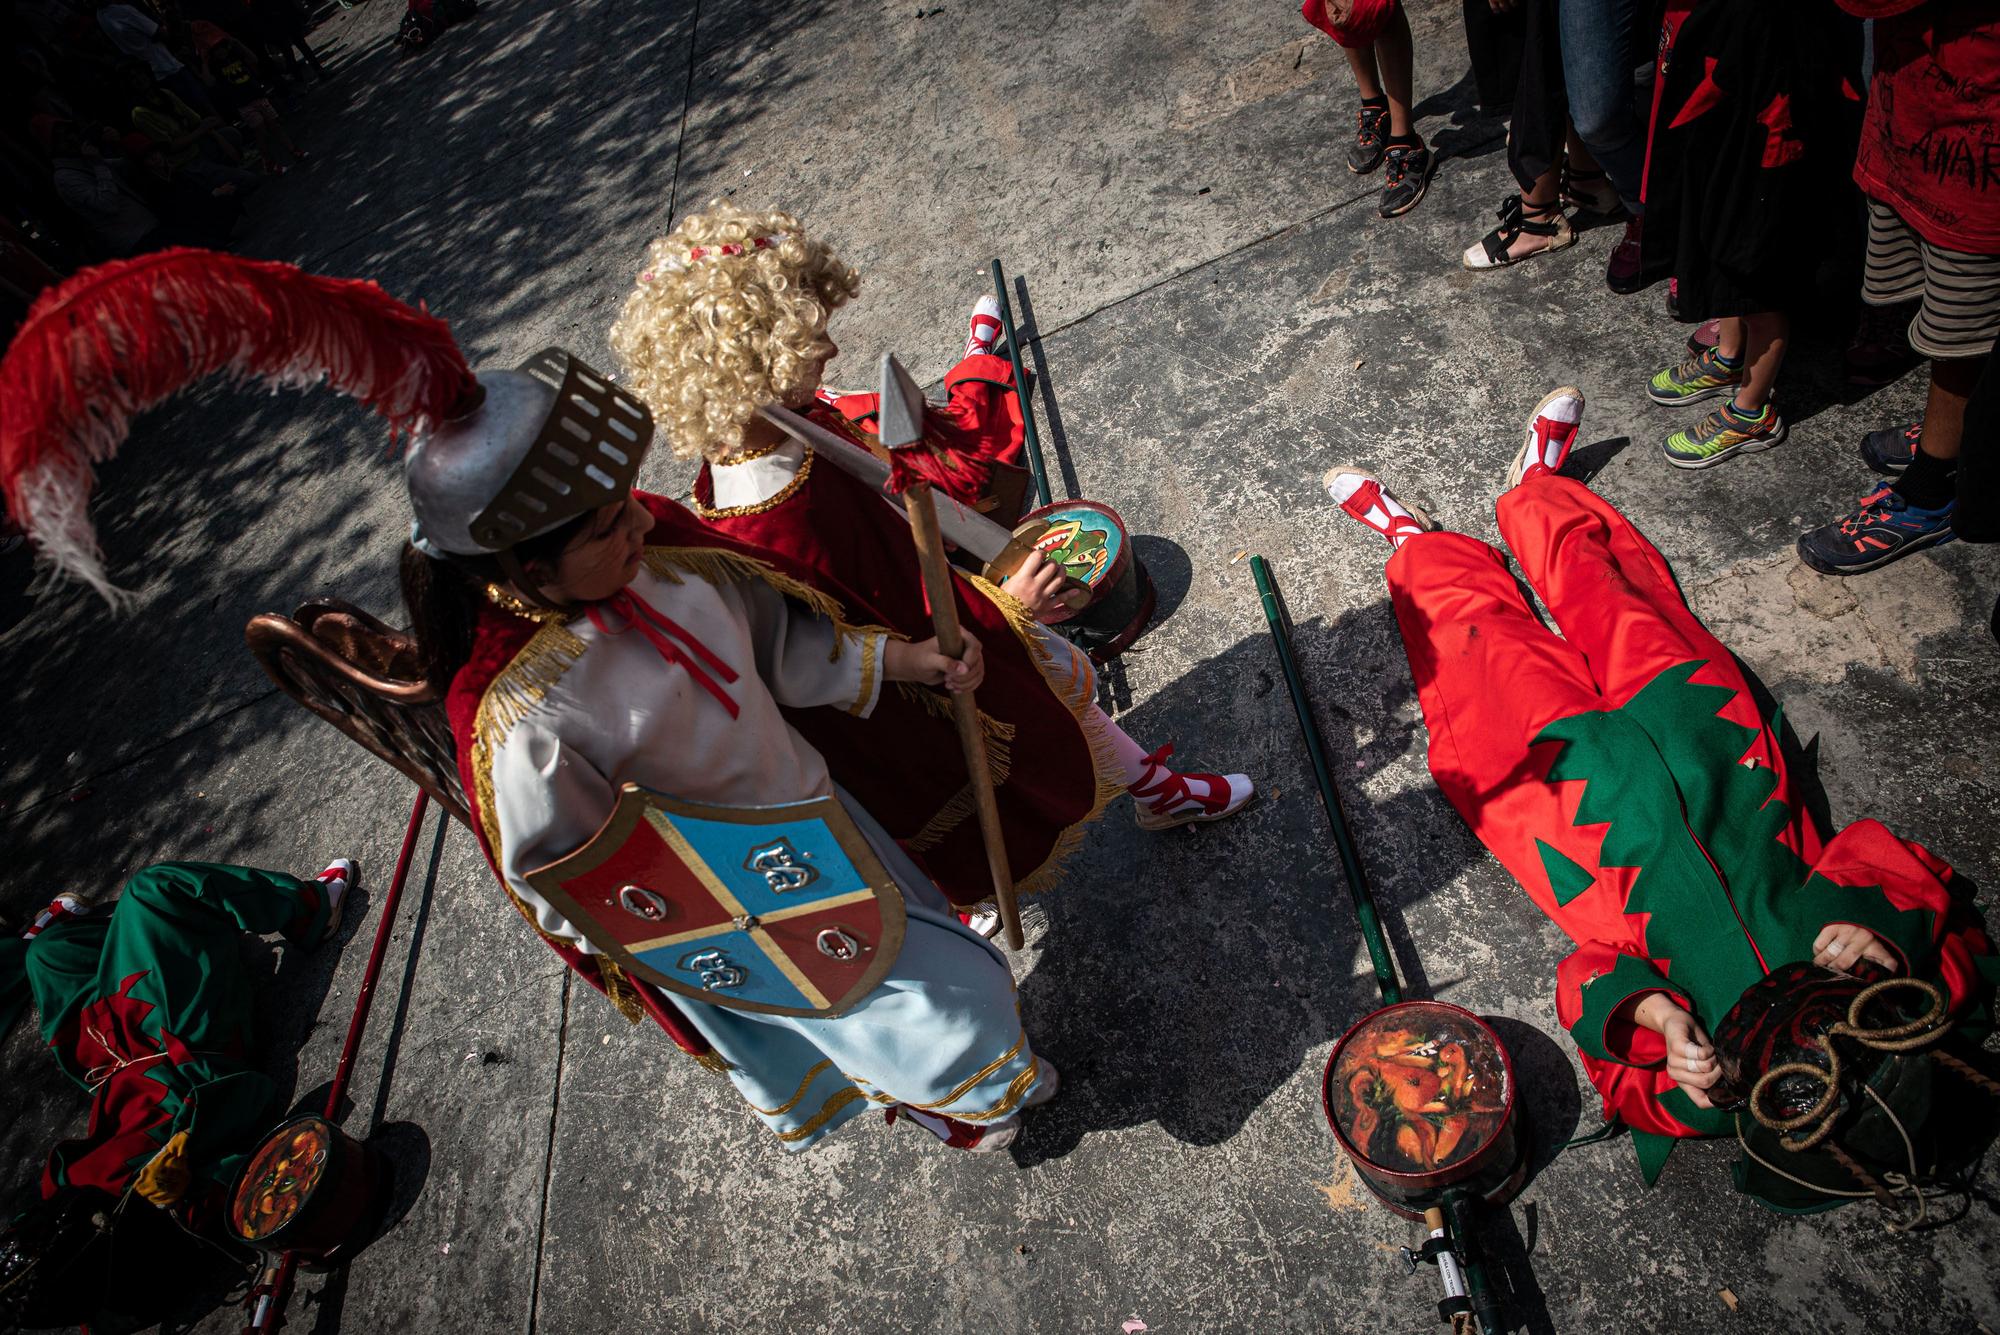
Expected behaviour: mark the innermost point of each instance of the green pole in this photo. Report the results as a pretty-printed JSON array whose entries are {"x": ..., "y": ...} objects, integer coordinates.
[
  {"x": 1458, "y": 1205},
  {"x": 1329, "y": 795},
  {"x": 1034, "y": 442}
]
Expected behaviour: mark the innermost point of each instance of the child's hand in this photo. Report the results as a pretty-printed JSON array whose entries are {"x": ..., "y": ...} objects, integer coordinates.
[
  {"x": 1841, "y": 945},
  {"x": 1036, "y": 584},
  {"x": 924, "y": 664},
  {"x": 1691, "y": 1057}
]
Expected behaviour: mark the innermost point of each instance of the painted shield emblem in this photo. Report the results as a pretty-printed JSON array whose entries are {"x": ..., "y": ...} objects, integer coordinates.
[{"x": 782, "y": 909}]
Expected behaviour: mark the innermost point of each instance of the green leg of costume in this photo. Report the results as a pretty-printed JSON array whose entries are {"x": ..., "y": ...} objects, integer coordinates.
[{"x": 161, "y": 973}]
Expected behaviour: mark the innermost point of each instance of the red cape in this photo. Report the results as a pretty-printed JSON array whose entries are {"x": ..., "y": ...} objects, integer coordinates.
[{"x": 1049, "y": 780}]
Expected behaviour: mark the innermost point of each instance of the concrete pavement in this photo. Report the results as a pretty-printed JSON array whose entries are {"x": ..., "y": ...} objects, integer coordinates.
[{"x": 1220, "y": 315}]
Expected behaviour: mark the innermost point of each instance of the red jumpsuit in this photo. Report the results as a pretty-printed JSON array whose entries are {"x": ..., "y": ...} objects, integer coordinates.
[{"x": 1626, "y": 777}]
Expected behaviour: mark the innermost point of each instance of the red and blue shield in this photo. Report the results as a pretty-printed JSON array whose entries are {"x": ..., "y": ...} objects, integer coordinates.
[{"x": 782, "y": 909}]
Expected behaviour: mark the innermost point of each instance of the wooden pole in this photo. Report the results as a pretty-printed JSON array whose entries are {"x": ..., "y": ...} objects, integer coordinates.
[{"x": 964, "y": 711}]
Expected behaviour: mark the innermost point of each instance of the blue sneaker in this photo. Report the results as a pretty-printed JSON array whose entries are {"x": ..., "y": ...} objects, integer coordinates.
[
  {"x": 1882, "y": 528},
  {"x": 1890, "y": 450}
]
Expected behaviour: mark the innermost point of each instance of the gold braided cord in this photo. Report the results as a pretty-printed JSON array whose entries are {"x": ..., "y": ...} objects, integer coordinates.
[
  {"x": 771, "y": 502},
  {"x": 838, "y": 1100},
  {"x": 985, "y": 1072},
  {"x": 811, "y": 1074},
  {"x": 748, "y": 454},
  {"x": 1009, "y": 1101},
  {"x": 520, "y": 607},
  {"x": 1078, "y": 700},
  {"x": 712, "y": 1061}
]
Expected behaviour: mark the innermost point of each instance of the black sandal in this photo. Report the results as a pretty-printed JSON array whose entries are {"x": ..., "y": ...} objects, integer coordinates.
[
  {"x": 1586, "y": 192},
  {"x": 1518, "y": 219}
]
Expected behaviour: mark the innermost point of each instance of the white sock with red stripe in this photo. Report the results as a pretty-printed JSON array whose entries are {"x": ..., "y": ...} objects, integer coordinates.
[
  {"x": 61, "y": 909},
  {"x": 985, "y": 327}
]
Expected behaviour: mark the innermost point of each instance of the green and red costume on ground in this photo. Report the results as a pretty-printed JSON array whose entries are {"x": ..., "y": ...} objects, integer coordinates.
[
  {"x": 146, "y": 1005},
  {"x": 1626, "y": 776}
]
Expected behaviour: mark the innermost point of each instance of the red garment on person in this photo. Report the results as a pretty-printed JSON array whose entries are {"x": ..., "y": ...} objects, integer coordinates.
[
  {"x": 1626, "y": 777},
  {"x": 854, "y": 548},
  {"x": 1363, "y": 24},
  {"x": 1930, "y": 146}
]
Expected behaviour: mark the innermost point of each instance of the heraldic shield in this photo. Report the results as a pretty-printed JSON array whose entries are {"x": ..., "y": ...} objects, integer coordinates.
[{"x": 782, "y": 909}]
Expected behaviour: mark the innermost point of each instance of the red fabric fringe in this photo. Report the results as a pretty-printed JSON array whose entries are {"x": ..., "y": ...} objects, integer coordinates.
[{"x": 117, "y": 339}]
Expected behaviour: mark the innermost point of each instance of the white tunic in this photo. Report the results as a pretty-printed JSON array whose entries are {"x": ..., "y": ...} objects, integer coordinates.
[{"x": 622, "y": 714}]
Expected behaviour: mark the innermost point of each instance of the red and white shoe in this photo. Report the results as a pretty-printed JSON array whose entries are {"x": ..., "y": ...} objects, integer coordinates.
[
  {"x": 1165, "y": 798},
  {"x": 338, "y": 878},
  {"x": 972, "y": 1137},
  {"x": 1364, "y": 497},
  {"x": 985, "y": 327},
  {"x": 62, "y": 908},
  {"x": 1552, "y": 432}
]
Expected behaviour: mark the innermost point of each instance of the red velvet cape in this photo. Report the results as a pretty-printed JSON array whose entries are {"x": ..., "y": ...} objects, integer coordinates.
[{"x": 854, "y": 548}]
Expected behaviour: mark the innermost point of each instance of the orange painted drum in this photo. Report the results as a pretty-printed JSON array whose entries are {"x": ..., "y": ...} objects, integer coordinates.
[
  {"x": 308, "y": 1187},
  {"x": 1421, "y": 1096}
]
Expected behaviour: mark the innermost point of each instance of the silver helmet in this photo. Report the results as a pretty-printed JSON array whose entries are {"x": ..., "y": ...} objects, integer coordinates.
[{"x": 546, "y": 443}]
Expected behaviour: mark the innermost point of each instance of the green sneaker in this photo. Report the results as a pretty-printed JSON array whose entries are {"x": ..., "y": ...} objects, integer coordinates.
[
  {"x": 1722, "y": 434},
  {"x": 1701, "y": 376}
]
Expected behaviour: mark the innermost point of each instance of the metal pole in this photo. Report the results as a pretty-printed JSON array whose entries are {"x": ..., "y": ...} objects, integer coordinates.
[
  {"x": 1329, "y": 795},
  {"x": 269, "y": 1313},
  {"x": 1034, "y": 442}
]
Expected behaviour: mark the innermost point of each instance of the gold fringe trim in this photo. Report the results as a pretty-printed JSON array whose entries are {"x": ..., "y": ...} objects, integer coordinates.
[
  {"x": 793, "y": 1102},
  {"x": 619, "y": 992},
  {"x": 514, "y": 691},
  {"x": 719, "y": 565},
  {"x": 840, "y": 1099},
  {"x": 999, "y": 768},
  {"x": 1078, "y": 700},
  {"x": 870, "y": 647}
]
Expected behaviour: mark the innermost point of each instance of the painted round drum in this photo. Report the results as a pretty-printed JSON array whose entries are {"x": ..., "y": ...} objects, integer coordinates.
[
  {"x": 1115, "y": 596},
  {"x": 1421, "y": 1096},
  {"x": 309, "y": 1187}
]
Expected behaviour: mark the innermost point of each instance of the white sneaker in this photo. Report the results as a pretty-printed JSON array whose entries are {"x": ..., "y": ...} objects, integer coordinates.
[
  {"x": 1552, "y": 431},
  {"x": 1165, "y": 798},
  {"x": 984, "y": 922}
]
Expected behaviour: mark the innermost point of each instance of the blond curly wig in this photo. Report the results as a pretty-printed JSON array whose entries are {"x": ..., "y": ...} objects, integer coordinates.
[{"x": 705, "y": 341}]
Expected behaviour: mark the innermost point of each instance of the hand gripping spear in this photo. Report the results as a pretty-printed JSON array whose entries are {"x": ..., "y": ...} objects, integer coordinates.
[{"x": 900, "y": 414}]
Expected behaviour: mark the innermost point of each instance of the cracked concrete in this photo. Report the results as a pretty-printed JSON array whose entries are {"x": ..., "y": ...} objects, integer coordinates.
[{"x": 1219, "y": 315}]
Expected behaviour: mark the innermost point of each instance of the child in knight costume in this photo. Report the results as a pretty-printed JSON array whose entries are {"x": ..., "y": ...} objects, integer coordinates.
[
  {"x": 1625, "y": 776},
  {"x": 145, "y": 1005},
  {"x": 730, "y": 315},
  {"x": 616, "y": 674}
]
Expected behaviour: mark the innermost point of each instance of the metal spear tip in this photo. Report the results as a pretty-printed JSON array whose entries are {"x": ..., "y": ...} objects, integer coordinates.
[{"x": 900, "y": 414}]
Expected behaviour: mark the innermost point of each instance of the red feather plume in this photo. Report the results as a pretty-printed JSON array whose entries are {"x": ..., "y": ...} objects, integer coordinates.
[{"x": 117, "y": 339}]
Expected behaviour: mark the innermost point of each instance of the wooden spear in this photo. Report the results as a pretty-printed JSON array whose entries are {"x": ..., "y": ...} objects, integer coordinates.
[{"x": 900, "y": 415}]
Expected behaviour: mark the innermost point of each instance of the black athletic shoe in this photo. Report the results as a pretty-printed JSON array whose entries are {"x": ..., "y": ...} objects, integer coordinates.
[
  {"x": 1890, "y": 450},
  {"x": 1364, "y": 155},
  {"x": 1407, "y": 177}
]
